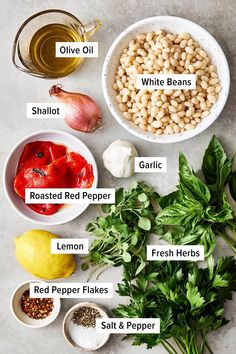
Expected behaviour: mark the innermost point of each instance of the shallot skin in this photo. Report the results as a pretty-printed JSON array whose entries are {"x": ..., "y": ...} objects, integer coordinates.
[{"x": 81, "y": 111}]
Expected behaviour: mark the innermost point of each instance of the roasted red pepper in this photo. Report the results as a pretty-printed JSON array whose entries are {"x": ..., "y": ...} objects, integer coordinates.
[
  {"x": 57, "y": 151},
  {"x": 45, "y": 209},
  {"x": 40, "y": 153},
  {"x": 85, "y": 177},
  {"x": 76, "y": 163},
  {"x": 44, "y": 164},
  {"x": 51, "y": 176}
]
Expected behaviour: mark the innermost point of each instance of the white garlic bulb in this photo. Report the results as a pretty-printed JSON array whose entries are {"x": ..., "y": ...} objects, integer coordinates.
[{"x": 118, "y": 158}]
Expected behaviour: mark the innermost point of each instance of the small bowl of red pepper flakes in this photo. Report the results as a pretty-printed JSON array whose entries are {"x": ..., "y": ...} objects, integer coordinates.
[
  {"x": 49, "y": 159},
  {"x": 33, "y": 312}
]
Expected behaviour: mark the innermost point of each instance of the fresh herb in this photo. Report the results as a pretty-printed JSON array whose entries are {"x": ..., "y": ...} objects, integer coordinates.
[
  {"x": 122, "y": 234},
  {"x": 216, "y": 166},
  {"x": 188, "y": 300},
  {"x": 232, "y": 185},
  {"x": 198, "y": 212}
]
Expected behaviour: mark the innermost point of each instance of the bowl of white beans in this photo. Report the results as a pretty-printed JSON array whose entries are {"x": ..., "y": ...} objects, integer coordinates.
[{"x": 165, "y": 45}]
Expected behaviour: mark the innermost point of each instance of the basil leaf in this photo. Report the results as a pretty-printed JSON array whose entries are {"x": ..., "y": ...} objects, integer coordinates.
[
  {"x": 198, "y": 189},
  {"x": 178, "y": 235},
  {"x": 187, "y": 198},
  {"x": 200, "y": 235},
  {"x": 216, "y": 167},
  {"x": 188, "y": 238},
  {"x": 225, "y": 174},
  {"x": 178, "y": 214},
  {"x": 169, "y": 199},
  {"x": 173, "y": 235},
  {"x": 232, "y": 185},
  {"x": 206, "y": 237},
  {"x": 221, "y": 215},
  {"x": 213, "y": 159}
]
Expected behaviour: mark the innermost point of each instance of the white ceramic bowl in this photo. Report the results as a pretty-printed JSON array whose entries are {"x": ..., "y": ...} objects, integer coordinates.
[
  {"x": 68, "y": 318},
  {"x": 68, "y": 212},
  {"x": 25, "y": 320},
  {"x": 175, "y": 25}
]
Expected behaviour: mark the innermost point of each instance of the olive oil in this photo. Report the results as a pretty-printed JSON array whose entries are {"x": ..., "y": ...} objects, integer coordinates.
[{"x": 42, "y": 50}]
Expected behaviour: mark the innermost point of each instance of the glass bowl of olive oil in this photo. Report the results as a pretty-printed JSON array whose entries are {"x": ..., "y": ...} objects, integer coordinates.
[{"x": 34, "y": 49}]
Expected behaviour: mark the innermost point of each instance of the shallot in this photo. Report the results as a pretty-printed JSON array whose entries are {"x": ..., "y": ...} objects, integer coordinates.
[{"x": 81, "y": 111}]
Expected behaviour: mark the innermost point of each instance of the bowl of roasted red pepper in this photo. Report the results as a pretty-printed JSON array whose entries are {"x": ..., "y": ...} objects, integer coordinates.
[{"x": 49, "y": 159}]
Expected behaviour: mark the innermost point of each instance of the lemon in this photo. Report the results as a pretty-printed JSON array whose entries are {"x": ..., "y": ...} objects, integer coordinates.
[{"x": 33, "y": 252}]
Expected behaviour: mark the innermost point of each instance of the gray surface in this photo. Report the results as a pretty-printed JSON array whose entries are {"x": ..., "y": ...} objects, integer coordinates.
[{"x": 218, "y": 17}]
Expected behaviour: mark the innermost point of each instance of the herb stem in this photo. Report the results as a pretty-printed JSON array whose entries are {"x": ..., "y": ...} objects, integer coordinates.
[
  {"x": 169, "y": 348},
  {"x": 205, "y": 344},
  {"x": 180, "y": 345},
  {"x": 228, "y": 241},
  {"x": 208, "y": 347},
  {"x": 90, "y": 275},
  {"x": 191, "y": 345},
  {"x": 102, "y": 270},
  {"x": 202, "y": 345}
]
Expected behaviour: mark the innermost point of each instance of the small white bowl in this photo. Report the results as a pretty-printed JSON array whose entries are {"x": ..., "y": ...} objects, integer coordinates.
[
  {"x": 25, "y": 320},
  {"x": 68, "y": 318},
  {"x": 175, "y": 25},
  {"x": 66, "y": 213}
]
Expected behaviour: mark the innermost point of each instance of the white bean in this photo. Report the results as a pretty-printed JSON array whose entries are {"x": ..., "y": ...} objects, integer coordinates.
[
  {"x": 156, "y": 124},
  {"x": 211, "y": 98},
  {"x": 189, "y": 126}
]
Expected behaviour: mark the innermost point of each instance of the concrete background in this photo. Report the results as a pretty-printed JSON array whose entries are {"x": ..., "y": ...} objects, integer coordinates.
[{"x": 218, "y": 17}]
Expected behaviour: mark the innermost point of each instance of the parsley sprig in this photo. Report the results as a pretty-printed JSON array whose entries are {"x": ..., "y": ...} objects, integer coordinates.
[{"x": 188, "y": 300}]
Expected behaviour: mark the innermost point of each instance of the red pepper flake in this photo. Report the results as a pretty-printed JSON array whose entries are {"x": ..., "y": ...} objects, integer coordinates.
[{"x": 36, "y": 308}]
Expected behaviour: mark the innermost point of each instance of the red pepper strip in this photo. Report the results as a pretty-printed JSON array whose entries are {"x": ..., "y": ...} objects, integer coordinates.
[
  {"x": 40, "y": 153},
  {"x": 45, "y": 209},
  {"x": 77, "y": 166},
  {"x": 54, "y": 175},
  {"x": 85, "y": 177},
  {"x": 75, "y": 161},
  {"x": 57, "y": 151}
]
